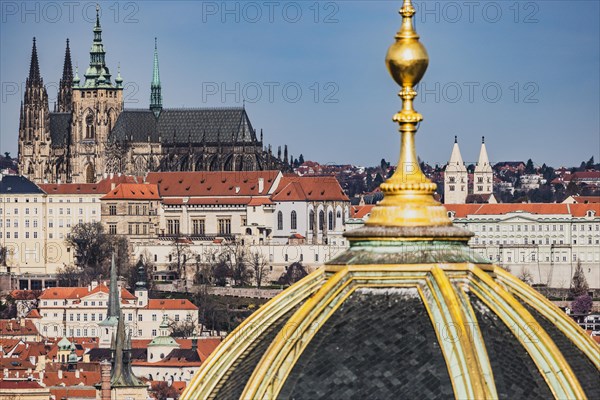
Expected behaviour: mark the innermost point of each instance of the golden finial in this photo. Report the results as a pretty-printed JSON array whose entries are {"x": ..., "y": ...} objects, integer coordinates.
[{"x": 408, "y": 194}]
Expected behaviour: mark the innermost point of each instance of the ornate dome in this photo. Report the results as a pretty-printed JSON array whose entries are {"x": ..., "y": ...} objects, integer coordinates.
[{"x": 408, "y": 311}]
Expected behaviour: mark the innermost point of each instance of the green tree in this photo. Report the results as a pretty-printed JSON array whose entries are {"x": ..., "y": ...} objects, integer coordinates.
[
  {"x": 69, "y": 276},
  {"x": 301, "y": 159},
  {"x": 529, "y": 167},
  {"x": 579, "y": 285},
  {"x": 590, "y": 163}
]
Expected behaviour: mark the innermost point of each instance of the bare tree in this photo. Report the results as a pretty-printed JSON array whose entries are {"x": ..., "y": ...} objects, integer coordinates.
[
  {"x": 260, "y": 267},
  {"x": 93, "y": 249},
  {"x": 293, "y": 274},
  {"x": 180, "y": 256},
  {"x": 183, "y": 329},
  {"x": 236, "y": 256},
  {"x": 526, "y": 276}
]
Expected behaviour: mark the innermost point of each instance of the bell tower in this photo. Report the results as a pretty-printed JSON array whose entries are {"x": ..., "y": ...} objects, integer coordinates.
[
  {"x": 96, "y": 106},
  {"x": 456, "y": 179},
  {"x": 483, "y": 178},
  {"x": 34, "y": 126}
]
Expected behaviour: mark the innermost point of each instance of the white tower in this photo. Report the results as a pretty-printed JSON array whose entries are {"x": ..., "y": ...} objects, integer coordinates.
[
  {"x": 483, "y": 177},
  {"x": 456, "y": 180}
]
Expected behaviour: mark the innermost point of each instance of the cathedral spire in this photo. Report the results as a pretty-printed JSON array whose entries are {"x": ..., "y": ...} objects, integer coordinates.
[
  {"x": 65, "y": 91},
  {"x": 97, "y": 74},
  {"x": 155, "y": 94},
  {"x": 34, "y": 68}
]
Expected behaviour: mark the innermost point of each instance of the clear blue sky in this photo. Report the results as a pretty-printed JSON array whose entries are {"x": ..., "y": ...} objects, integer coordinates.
[{"x": 524, "y": 74}]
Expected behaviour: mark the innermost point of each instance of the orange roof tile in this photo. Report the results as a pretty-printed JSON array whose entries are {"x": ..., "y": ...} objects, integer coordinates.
[
  {"x": 587, "y": 199},
  {"x": 133, "y": 191},
  {"x": 33, "y": 314},
  {"x": 62, "y": 293},
  {"x": 233, "y": 183},
  {"x": 171, "y": 304},
  {"x": 361, "y": 211},
  {"x": 12, "y": 327},
  {"x": 101, "y": 187},
  {"x": 25, "y": 294},
  {"x": 309, "y": 188},
  {"x": 70, "y": 393}
]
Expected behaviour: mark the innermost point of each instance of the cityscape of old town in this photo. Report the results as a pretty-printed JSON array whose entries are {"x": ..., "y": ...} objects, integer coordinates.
[{"x": 204, "y": 200}]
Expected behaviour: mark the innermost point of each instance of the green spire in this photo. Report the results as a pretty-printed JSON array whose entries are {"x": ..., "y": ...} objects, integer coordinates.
[
  {"x": 97, "y": 74},
  {"x": 155, "y": 94}
]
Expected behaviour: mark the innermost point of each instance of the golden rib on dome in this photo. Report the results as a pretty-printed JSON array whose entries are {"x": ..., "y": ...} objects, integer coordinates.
[{"x": 408, "y": 199}]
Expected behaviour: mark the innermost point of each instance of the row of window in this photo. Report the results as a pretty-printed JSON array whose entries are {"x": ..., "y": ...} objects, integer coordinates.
[
  {"x": 199, "y": 226},
  {"x": 15, "y": 235},
  {"x": 532, "y": 227},
  {"x": 16, "y": 211},
  {"x": 533, "y": 241}
]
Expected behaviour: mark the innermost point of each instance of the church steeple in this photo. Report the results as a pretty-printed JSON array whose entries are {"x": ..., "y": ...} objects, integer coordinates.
[
  {"x": 34, "y": 68},
  {"x": 456, "y": 178},
  {"x": 483, "y": 176},
  {"x": 34, "y": 132},
  {"x": 114, "y": 308},
  {"x": 155, "y": 94},
  {"x": 97, "y": 74},
  {"x": 65, "y": 94}
]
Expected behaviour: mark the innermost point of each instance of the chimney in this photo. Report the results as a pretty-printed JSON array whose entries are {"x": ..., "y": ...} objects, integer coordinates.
[
  {"x": 22, "y": 320},
  {"x": 60, "y": 374},
  {"x": 105, "y": 380},
  {"x": 77, "y": 374},
  {"x": 194, "y": 344},
  {"x": 113, "y": 185},
  {"x": 94, "y": 284},
  {"x": 261, "y": 185}
]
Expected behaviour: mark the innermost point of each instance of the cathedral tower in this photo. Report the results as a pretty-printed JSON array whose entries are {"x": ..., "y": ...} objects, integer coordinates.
[
  {"x": 65, "y": 91},
  {"x": 483, "y": 182},
  {"x": 456, "y": 179},
  {"x": 34, "y": 126},
  {"x": 96, "y": 106}
]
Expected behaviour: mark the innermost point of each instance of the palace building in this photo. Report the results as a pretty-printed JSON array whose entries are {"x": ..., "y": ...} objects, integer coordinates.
[{"x": 90, "y": 133}]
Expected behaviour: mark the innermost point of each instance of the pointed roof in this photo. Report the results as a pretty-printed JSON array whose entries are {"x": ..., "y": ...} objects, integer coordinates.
[
  {"x": 155, "y": 94},
  {"x": 483, "y": 165},
  {"x": 34, "y": 68},
  {"x": 121, "y": 374},
  {"x": 97, "y": 74},
  {"x": 114, "y": 308},
  {"x": 67, "y": 76},
  {"x": 456, "y": 162}
]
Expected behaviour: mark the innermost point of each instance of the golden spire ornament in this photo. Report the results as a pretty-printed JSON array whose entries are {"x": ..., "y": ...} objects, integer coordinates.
[{"x": 408, "y": 200}]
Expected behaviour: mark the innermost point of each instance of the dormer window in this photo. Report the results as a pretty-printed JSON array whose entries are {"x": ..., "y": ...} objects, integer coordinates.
[{"x": 590, "y": 213}]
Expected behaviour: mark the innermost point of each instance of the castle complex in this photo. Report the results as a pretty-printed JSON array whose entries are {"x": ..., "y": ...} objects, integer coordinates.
[{"x": 90, "y": 134}]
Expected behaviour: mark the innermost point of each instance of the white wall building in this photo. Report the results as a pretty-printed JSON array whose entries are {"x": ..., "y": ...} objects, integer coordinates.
[
  {"x": 545, "y": 240},
  {"x": 77, "y": 312},
  {"x": 456, "y": 179}
]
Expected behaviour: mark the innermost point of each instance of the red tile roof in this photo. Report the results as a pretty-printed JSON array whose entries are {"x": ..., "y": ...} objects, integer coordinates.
[
  {"x": 12, "y": 327},
  {"x": 576, "y": 210},
  {"x": 133, "y": 191},
  {"x": 70, "y": 393},
  {"x": 62, "y": 293},
  {"x": 7, "y": 384},
  {"x": 209, "y": 201},
  {"x": 309, "y": 188},
  {"x": 361, "y": 211},
  {"x": 586, "y": 199},
  {"x": 33, "y": 314},
  {"x": 171, "y": 304},
  {"x": 200, "y": 184},
  {"x": 86, "y": 378},
  {"x": 99, "y": 188}
]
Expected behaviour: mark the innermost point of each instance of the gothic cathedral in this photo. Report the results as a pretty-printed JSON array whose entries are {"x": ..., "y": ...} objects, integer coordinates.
[{"x": 90, "y": 134}]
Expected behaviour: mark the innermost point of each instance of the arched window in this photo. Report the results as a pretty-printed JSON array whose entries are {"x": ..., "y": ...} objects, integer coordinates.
[
  {"x": 330, "y": 220},
  {"x": 90, "y": 174},
  {"x": 311, "y": 220},
  {"x": 321, "y": 220},
  {"x": 294, "y": 220},
  {"x": 89, "y": 126},
  {"x": 280, "y": 220}
]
